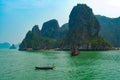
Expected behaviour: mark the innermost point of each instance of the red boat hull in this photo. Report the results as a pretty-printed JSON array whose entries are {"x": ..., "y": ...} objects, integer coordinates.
[{"x": 74, "y": 53}]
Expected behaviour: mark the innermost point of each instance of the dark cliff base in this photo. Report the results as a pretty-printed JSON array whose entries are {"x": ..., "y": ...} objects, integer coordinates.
[
  {"x": 58, "y": 49},
  {"x": 92, "y": 49}
]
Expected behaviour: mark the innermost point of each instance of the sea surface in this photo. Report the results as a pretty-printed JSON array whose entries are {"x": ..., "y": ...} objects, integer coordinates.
[{"x": 89, "y": 65}]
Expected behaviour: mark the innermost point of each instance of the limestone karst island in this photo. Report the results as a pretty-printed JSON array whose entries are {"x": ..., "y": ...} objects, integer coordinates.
[{"x": 82, "y": 31}]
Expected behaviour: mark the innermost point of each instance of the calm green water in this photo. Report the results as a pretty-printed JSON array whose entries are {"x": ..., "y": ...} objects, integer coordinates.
[{"x": 89, "y": 65}]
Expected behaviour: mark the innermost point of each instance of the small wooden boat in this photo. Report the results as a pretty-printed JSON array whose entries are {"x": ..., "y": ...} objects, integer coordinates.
[
  {"x": 75, "y": 52},
  {"x": 44, "y": 68}
]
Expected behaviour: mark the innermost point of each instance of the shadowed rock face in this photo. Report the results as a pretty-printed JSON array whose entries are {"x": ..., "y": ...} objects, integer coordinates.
[
  {"x": 64, "y": 29},
  {"x": 46, "y": 38},
  {"x": 111, "y": 27},
  {"x": 32, "y": 39},
  {"x": 83, "y": 21},
  {"x": 36, "y": 30},
  {"x": 50, "y": 29},
  {"x": 82, "y": 24},
  {"x": 83, "y": 27}
]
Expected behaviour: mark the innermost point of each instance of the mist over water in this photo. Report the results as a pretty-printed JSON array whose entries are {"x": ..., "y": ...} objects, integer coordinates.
[{"x": 89, "y": 65}]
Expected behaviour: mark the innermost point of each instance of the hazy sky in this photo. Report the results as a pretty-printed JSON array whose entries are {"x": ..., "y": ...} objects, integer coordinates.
[{"x": 19, "y": 16}]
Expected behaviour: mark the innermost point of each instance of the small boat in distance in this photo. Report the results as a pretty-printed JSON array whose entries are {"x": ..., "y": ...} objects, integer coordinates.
[
  {"x": 44, "y": 68},
  {"x": 75, "y": 52}
]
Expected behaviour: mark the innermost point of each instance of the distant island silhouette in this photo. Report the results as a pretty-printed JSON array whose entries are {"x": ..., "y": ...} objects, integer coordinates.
[{"x": 12, "y": 46}]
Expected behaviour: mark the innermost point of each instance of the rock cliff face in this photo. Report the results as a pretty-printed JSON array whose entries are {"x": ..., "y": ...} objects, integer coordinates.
[
  {"x": 32, "y": 39},
  {"x": 44, "y": 39},
  {"x": 36, "y": 30},
  {"x": 64, "y": 29},
  {"x": 84, "y": 29},
  {"x": 111, "y": 27},
  {"x": 50, "y": 29}
]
